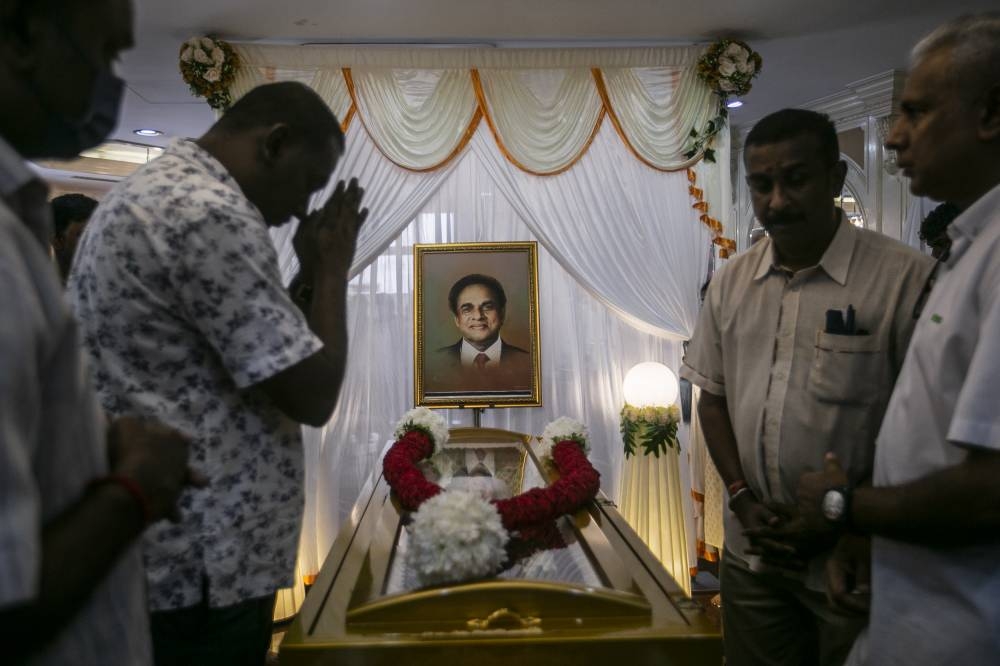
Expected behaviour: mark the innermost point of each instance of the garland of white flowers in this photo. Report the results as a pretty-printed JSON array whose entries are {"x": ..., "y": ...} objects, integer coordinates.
[
  {"x": 457, "y": 535},
  {"x": 727, "y": 67},
  {"x": 209, "y": 67}
]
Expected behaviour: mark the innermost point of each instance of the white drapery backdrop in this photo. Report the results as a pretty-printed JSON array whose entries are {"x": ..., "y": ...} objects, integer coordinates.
[
  {"x": 625, "y": 240},
  {"x": 582, "y": 151}
]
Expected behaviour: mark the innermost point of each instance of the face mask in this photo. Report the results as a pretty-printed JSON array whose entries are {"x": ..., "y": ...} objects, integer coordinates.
[{"x": 68, "y": 138}]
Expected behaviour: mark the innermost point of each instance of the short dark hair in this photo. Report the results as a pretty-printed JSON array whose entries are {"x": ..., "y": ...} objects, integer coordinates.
[
  {"x": 70, "y": 208},
  {"x": 295, "y": 104},
  {"x": 790, "y": 123},
  {"x": 490, "y": 283},
  {"x": 937, "y": 221}
]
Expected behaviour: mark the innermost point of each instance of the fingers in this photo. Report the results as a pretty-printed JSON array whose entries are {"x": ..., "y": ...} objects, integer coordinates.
[
  {"x": 771, "y": 547},
  {"x": 854, "y": 601},
  {"x": 836, "y": 579},
  {"x": 784, "y": 511}
]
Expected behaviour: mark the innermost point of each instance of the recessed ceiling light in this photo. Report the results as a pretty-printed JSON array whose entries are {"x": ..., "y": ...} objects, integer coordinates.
[
  {"x": 734, "y": 104},
  {"x": 147, "y": 132}
]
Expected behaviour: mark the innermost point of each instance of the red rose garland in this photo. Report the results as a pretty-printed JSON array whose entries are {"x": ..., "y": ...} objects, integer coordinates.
[{"x": 578, "y": 482}]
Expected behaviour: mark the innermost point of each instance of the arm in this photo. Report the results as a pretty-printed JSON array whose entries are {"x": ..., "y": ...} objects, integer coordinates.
[
  {"x": 325, "y": 243},
  {"x": 955, "y": 506},
  {"x": 80, "y": 546},
  {"x": 713, "y": 416}
]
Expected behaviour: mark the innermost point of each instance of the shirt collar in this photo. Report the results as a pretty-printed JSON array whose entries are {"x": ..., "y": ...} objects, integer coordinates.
[
  {"x": 973, "y": 220},
  {"x": 189, "y": 151},
  {"x": 835, "y": 260},
  {"x": 14, "y": 172},
  {"x": 25, "y": 193},
  {"x": 469, "y": 352}
]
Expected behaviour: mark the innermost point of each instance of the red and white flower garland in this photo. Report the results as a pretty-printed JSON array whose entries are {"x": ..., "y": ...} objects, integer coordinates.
[{"x": 458, "y": 536}]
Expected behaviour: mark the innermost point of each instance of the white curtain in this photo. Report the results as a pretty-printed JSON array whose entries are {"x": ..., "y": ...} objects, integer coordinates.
[
  {"x": 623, "y": 252},
  {"x": 586, "y": 347}
]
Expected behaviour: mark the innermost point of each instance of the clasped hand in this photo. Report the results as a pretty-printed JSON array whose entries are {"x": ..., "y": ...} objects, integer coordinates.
[
  {"x": 780, "y": 536},
  {"x": 328, "y": 236}
]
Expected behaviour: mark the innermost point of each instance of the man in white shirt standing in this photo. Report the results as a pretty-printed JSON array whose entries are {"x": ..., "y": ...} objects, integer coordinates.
[{"x": 934, "y": 510}]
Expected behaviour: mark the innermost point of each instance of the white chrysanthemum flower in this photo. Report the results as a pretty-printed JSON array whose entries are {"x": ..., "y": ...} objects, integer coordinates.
[
  {"x": 726, "y": 85},
  {"x": 187, "y": 54},
  {"x": 455, "y": 536},
  {"x": 726, "y": 66},
  {"x": 212, "y": 75},
  {"x": 561, "y": 429},
  {"x": 736, "y": 52},
  {"x": 194, "y": 42},
  {"x": 425, "y": 419},
  {"x": 207, "y": 43},
  {"x": 745, "y": 67},
  {"x": 202, "y": 57},
  {"x": 485, "y": 487},
  {"x": 218, "y": 55}
]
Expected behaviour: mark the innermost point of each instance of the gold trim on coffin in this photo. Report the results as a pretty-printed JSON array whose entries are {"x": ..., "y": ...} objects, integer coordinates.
[{"x": 638, "y": 613}]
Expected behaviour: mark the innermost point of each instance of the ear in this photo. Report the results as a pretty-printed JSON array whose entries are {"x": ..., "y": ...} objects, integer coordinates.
[
  {"x": 838, "y": 176},
  {"x": 274, "y": 143},
  {"x": 989, "y": 116}
]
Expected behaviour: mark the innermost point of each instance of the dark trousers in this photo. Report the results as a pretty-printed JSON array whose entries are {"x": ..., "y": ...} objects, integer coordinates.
[
  {"x": 238, "y": 635},
  {"x": 772, "y": 620}
]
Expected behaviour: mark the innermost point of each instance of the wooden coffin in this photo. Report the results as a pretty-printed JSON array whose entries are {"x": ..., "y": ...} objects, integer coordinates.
[{"x": 604, "y": 598}]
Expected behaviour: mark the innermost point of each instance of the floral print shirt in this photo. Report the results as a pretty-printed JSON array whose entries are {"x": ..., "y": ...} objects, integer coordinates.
[{"x": 178, "y": 292}]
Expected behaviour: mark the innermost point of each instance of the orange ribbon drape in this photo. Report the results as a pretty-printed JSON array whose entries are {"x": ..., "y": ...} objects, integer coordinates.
[{"x": 727, "y": 246}]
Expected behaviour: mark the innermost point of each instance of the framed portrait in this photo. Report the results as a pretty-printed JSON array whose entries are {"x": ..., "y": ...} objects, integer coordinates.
[{"x": 475, "y": 309}]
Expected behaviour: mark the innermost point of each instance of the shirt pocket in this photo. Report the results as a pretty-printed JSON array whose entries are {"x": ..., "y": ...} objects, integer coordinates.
[{"x": 846, "y": 369}]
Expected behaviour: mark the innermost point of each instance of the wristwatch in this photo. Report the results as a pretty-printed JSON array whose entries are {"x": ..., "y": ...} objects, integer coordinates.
[{"x": 836, "y": 504}]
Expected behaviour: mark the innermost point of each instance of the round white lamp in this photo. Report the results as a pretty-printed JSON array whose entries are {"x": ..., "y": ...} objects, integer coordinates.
[{"x": 650, "y": 384}]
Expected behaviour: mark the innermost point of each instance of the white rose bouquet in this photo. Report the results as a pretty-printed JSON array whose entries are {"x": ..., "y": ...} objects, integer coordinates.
[{"x": 209, "y": 67}]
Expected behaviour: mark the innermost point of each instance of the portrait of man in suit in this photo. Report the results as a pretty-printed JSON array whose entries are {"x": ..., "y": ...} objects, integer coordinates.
[
  {"x": 481, "y": 359},
  {"x": 483, "y": 362}
]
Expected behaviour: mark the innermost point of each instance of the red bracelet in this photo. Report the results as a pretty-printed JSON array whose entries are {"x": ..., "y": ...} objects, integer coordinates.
[
  {"x": 132, "y": 488},
  {"x": 736, "y": 486}
]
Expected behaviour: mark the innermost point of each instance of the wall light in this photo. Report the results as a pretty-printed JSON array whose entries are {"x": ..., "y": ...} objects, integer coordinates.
[
  {"x": 734, "y": 103},
  {"x": 145, "y": 131}
]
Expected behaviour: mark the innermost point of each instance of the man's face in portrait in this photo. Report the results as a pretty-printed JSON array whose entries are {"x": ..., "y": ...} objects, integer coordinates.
[{"x": 478, "y": 315}]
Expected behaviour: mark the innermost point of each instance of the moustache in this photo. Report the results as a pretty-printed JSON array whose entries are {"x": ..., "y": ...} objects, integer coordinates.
[{"x": 781, "y": 220}]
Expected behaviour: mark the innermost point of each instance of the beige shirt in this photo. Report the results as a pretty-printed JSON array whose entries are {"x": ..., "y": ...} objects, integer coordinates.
[{"x": 794, "y": 391}]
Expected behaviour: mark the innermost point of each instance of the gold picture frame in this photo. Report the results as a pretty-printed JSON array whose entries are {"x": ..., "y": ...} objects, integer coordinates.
[{"x": 446, "y": 372}]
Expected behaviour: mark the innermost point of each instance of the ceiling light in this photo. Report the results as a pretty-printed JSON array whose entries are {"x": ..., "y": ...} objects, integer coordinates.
[
  {"x": 147, "y": 132},
  {"x": 734, "y": 104}
]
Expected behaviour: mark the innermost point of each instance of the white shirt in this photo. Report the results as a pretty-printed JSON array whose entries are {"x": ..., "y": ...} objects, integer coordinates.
[
  {"x": 469, "y": 353},
  {"x": 51, "y": 445},
  {"x": 177, "y": 288},
  {"x": 942, "y": 605}
]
